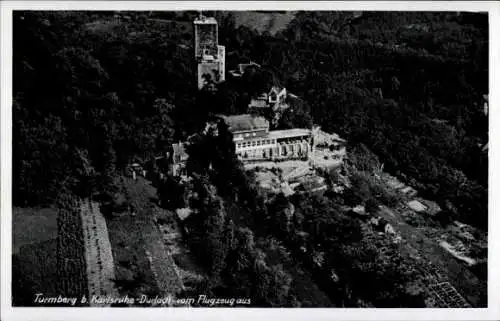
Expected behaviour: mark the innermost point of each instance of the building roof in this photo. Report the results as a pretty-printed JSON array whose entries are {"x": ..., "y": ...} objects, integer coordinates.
[
  {"x": 288, "y": 133},
  {"x": 263, "y": 96},
  {"x": 235, "y": 73},
  {"x": 183, "y": 213},
  {"x": 277, "y": 89},
  {"x": 203, "y": 19},
  {"x": 258, "y": 103},
  {"x": 251, "y": 63},
  {"x": 245, "y": 122},
  {"x": 243, "y": 67}
]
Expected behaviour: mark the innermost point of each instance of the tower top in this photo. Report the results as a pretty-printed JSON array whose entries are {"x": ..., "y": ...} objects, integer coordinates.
[{"x": 201, "y": 19}]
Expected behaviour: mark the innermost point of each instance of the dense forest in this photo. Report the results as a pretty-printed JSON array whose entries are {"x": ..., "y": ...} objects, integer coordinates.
[{"x": 95, "y": 91}]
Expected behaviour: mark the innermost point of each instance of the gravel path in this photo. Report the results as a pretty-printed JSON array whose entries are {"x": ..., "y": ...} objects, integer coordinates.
[{"x": 100, "y": 265}]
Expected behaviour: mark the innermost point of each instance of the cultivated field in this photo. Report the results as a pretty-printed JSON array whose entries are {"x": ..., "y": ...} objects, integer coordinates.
[{"x": 142, "y": 264}]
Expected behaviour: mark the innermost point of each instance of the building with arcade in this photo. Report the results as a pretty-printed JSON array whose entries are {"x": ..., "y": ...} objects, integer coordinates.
[{"x": 255, "y": 142}]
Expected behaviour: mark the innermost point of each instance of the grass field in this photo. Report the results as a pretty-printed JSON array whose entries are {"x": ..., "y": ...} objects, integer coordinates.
[
  {"x": 32, "y": 226},
  {"x": 34, "y": 254},
  {"x": 34, "y": 270},
  {"x": 264, "y": 21}
]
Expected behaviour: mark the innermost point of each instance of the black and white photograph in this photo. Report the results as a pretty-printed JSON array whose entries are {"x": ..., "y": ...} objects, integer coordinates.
[{"x": 213, "y": 157}]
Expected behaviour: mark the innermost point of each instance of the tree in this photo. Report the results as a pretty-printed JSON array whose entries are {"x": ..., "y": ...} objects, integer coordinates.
[
  {"x": 211, "y": 228},
  {"x": 240, "y": 261},
  {"x": 170, "y": 193}
]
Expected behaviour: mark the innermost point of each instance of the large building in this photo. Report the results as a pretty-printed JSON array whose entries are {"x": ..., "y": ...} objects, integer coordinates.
[
  {"x": 254, "y": 141},
  {"x": 210, "y": 56}
]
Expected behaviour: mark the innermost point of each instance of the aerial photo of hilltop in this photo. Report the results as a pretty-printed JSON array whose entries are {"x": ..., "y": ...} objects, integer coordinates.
[{"x": 250, "y": 159}]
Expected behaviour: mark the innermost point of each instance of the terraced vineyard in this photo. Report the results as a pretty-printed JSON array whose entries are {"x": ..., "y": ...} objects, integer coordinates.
[{"x": 71, "y": 263}]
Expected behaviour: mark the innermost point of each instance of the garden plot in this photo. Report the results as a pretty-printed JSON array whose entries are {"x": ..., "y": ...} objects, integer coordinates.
[
  {"x": 449, "y": 249},
  {"x": 143, "y": 265}
]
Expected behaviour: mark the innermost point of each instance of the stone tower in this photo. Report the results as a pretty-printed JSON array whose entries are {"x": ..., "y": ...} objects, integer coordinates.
[{"x": 209, "y": 55}]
